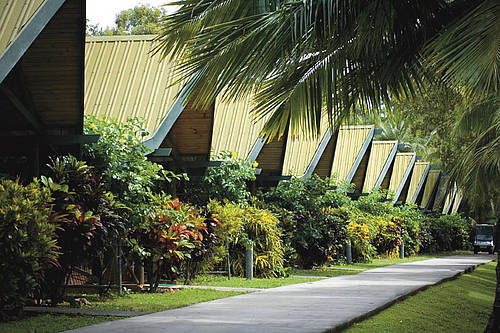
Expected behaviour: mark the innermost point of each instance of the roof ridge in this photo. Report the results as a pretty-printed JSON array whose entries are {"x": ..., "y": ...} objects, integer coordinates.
[{"x": 116, "y": 38}]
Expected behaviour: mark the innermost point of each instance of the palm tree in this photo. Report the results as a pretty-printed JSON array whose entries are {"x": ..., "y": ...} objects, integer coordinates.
[
  {"x": 478, "y": 172},
  {"x": 468, "y": 56},
  {"x": 300, "y": 59}
]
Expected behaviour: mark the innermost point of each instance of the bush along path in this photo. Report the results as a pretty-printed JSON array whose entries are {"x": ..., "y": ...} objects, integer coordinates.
[
  {"x": 81, "y": 215},
  {"x": 329, "y": 304}
]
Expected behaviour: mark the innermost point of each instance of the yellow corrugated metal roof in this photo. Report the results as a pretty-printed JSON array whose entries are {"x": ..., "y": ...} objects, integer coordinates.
[
  {"x": 300, "y": 151},
  {"x": 432, "y": 179},
  {"x": 123, "y": 79},
  {"x": 380, "y": 153},
  {"x": 402, "y": 162},
  {"x": 457, "y": 202},
  {"x": 450, "y": 196},
  {"x": 349, "y": 143},
  {"x": 234, "y": 127},
  {"x": 416, "y": 178},
  {"x": 14, "y": 14}
]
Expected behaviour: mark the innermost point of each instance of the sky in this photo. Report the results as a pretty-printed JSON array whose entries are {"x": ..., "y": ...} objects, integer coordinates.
[{"x": 103, "y": 12}]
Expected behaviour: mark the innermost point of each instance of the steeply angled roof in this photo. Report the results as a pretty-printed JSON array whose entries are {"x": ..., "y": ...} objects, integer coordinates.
[
  {"x": 352, "y": 144},
  {"x": 381, "y": 156},
  {"x": 420, "y": 171},
  {"x": 123, "y": 78},
  {"x": 302, "y": 149},
  {"x": 403, "y": 164},
  {"x": 22, "y": 22}
]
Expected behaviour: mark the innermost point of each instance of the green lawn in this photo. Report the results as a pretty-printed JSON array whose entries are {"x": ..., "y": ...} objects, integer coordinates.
[
  {"x": 462, "y": 305},
  {"x": 158, "y": 301},
  {"x": 51, "y": 323},
  {"x": 133, "y": 302},
  {"x": 238, "y": 282}
]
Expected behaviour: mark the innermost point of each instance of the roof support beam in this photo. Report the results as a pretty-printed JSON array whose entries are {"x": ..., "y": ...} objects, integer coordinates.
[
  {"x": 360, "y": 156},
  {"x": 23, "y": 110},
  {"x": 257, "y": 147},
  {"x": 27, "y": 36},
  {"x": 420, "y": 184},
  {"x": 403, "y": 181},
  {"x": 166, "y": 125},
  {"x": 432, "y": 197},
  {"x": 168, "y": 122},
  {"x": 387, "y": 165},
  {"x": 319, "y": 152},
  {"x": 161, "y": 152}
]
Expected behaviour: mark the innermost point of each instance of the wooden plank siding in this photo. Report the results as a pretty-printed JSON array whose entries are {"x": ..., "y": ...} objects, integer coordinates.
[
  {"x": 44, "y": 85},
  {"x": 52, "y": 70},
  {"x": 271, "y": 156},
  {"x": 192, "y": 132}
]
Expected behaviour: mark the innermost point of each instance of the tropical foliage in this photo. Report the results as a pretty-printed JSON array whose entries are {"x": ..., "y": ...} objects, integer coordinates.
[
  {"x": 140, "y": 20},
  {"x": 300, "y": 58},
  {"x": 249, "y": 227},
  {"x": 121, "y": 157},
  {"x": 229, "y": 179},
  {"x": 92, "y": 223},
  {"x": 26, "y": 243},
  {"x": 171, "y": 231}
]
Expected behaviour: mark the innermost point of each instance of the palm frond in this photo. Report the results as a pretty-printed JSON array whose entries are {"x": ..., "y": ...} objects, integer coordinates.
[
  {"x": 478, "y": 169},
  {"x": 301, "y": 59},
  {"x": 468, "y": 52}
]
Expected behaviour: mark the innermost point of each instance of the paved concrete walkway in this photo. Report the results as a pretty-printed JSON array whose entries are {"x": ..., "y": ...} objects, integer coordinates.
[{"x": 318, "y": 306}]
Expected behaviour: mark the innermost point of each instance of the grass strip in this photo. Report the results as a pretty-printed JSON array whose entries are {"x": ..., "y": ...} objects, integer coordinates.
[
  {"x": 47, "y": 323},
  {"x": 154, "y": 302},
  {"x": 239, "y": 282},
  {"x": 461, "y": 305},
  {"x": 134, "y": 302}
]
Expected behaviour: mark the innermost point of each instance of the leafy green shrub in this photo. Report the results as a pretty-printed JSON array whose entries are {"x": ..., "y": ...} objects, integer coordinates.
[
  {"x": 374, "y": 203},
  {"x": 308, "y": 194},
  {"x": 387, "y": 235},
  {"x": 242, "y": 226},
  {"x": 406, "y": 219},
  {"x": 228, "y": 181},
  {"x": 313, "y": 224},
  {"x": 204, "y": 247},
  {"x": 372, "y": 235},
  {"x": 120, "y": 156},
  {"x": 26, "y": 242},
  {"x": 448, "y": 233},
  {"x": 172, "y": 234},
  {"x": 92, "y": 225},
  {"x": 360, "y": 235},
  {"x": 319, "y": 237},
  {"x": 410, "y": 220}
]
